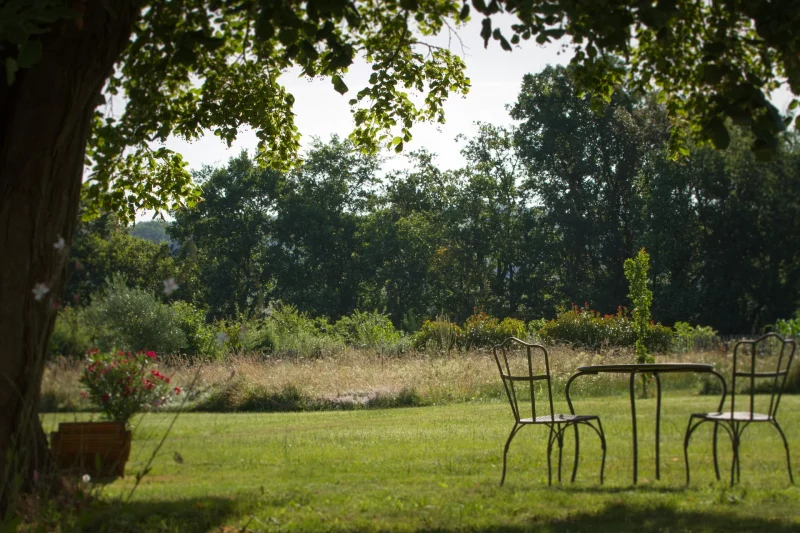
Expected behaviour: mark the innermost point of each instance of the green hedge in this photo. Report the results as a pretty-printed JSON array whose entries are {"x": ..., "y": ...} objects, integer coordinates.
[{"x": 584, "y": 327}]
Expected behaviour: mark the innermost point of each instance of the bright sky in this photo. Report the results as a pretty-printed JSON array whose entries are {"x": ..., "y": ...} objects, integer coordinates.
[{"x": 496, "y": 76}]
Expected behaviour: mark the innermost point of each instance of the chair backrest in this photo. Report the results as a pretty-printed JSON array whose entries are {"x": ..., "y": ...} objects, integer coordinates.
[
  {"x": 764, "y": 364},
  {"x": 521, "y": 365}
]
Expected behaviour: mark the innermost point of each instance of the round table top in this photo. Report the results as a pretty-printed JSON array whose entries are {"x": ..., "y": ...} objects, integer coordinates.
[{"x": 647, "y": 367}]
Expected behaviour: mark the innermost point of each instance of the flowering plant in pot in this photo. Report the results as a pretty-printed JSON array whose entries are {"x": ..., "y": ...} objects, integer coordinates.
[{"x": 121, "y": 384}]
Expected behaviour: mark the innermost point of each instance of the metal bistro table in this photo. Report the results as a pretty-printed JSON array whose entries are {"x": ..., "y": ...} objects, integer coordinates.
[{"x": 646, "y": 368}]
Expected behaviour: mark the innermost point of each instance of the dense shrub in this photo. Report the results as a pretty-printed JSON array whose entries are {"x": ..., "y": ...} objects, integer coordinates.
[
  {"x": 511, "y": 327},
  {"x": 73, "y": 334},
  {"x": 482, "y": 330},
  {"x": 689, "y": 339},
  {"x": 283, "y": 331},
  {"x": 134, "y": 319},
  {"x": 367, "y": 329},
  {"x": 581, "y": 326},
  {"x": 438, "y": 335},
  {"x": 789, "y": 327},
  {"x": 201, "y": 338}
]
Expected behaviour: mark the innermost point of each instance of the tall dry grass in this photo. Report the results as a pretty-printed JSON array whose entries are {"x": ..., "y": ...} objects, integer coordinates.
[{"x": 358, "y": 377}]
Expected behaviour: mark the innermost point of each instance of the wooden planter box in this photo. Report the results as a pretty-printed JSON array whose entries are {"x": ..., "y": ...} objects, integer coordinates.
[{"x": 99, "y": 449}]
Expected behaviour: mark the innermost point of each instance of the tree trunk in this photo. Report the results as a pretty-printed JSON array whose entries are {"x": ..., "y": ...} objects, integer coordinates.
[{"x": 45, "y": 120}]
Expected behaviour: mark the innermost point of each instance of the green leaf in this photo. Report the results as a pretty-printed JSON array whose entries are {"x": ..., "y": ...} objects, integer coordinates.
[
  {"x": 30, "y": 53},
  {"x": 11, "y": 69},
  {"x": 464, "y": 12},
  {"x": 719, "y": 134},
  {"x": 338, "y": 84},
  {"x": 486, "y": 30},
  {"x": 712, "y": 74}
]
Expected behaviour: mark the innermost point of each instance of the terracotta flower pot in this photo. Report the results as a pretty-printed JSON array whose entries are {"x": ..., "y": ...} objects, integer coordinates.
[{"x": 99, "y": 449}]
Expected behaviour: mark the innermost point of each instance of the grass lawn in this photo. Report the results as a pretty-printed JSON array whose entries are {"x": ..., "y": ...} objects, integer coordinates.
[{"x": 438, "y": 469}]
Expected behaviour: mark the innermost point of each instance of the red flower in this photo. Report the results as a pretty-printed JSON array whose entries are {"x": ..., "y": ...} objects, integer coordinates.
[
  {"x": 105, "y": 398},
  {"x": 84, "y": 395},
  {"x": 93, "y": 351},
  {"x": 151, "y": 354},
  {"x": 177, "y": 390}
]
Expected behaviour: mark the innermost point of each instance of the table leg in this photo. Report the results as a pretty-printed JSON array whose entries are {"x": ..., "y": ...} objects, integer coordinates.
[
  {"x": 633, "y": 419},
  {"x": 658, "y": 425}
]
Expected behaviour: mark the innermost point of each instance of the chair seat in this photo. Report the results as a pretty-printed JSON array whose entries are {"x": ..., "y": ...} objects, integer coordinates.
[
  {"x": 557, "y": 419},
  {"x": 739, "y": 416}
]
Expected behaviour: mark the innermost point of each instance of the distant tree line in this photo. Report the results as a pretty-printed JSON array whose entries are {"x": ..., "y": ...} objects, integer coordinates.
[{"x": 543, "y": 214}]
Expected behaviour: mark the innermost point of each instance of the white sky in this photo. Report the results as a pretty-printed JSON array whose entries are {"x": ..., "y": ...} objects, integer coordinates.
[{"x": 496, "y": 76}]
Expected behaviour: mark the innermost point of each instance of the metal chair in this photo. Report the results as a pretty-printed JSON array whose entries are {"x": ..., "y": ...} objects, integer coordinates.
[
  {"x": 750, "y": 358},
  {"x": 519, "y": 379}
]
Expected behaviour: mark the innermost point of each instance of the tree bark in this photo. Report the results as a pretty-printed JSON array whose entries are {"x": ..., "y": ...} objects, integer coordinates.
[{"x": 45, "y": 121}]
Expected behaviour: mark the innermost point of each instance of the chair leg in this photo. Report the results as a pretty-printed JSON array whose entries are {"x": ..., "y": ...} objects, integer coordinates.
[
  {"x": 577, "y": 453},
  {"x": 560, "y": 439},
  {"x": 514, "y": 431},
  {"x": 550, "y": 440},
  {"x": 716, "y": 460},
  {"x": 735, "y": 463},
  {"x": 786, "y": 446}
]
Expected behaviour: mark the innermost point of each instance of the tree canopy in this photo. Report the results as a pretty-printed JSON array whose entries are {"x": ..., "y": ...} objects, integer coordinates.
[{"x": 197, "y": 65}]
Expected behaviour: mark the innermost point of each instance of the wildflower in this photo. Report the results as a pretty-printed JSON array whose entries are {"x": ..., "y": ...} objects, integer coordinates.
[
  {"x": 177, "y": 390},
  {"x": 105, "y": 397},
  {"x": 60, "y": 245},
  {"x": 151, "y": 354},
  {"x": 170, "y": 286},
  {"x": 86, "y": 478},
  {"x": 39, "y": 291}
]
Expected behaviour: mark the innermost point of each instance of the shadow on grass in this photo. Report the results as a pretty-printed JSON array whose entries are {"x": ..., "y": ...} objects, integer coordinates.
[
  {"x": 191, "y": 514},
  {"x": 209, "y": 514},
  {"x": 623, "y": 518}
]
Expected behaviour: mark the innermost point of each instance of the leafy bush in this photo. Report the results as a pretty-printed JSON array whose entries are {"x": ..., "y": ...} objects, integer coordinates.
[
  {"x": 581, "y": 326},
  {"x": 134, "y": 319},
  {"x": 366, "y": 329},
  {"x": 658, "y": 338},
  {"x": 73, "y": 335},
  {"x": 511, "y": 327},
  {"x": 789, "y": 327},
  {"x": 440, "y": 334},
  {"x": 201, "y": 339},
  {"x": 688, "y": 339},
  {"x": 480, "y": 330}
]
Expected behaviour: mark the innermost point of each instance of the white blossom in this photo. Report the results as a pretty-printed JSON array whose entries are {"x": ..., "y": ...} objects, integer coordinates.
[
  {"x": 39, "y": 291},
  {"x": 60, "y": 245},
  {"x": 170, "y": 286},
  {"x": 86, "y": 478}
]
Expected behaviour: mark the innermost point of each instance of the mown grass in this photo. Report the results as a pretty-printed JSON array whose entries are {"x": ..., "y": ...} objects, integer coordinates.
[{"x": 437, "y": 468}]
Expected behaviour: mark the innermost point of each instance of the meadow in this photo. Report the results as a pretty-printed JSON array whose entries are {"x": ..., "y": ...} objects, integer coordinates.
[{"x": 435, "y": 467}]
